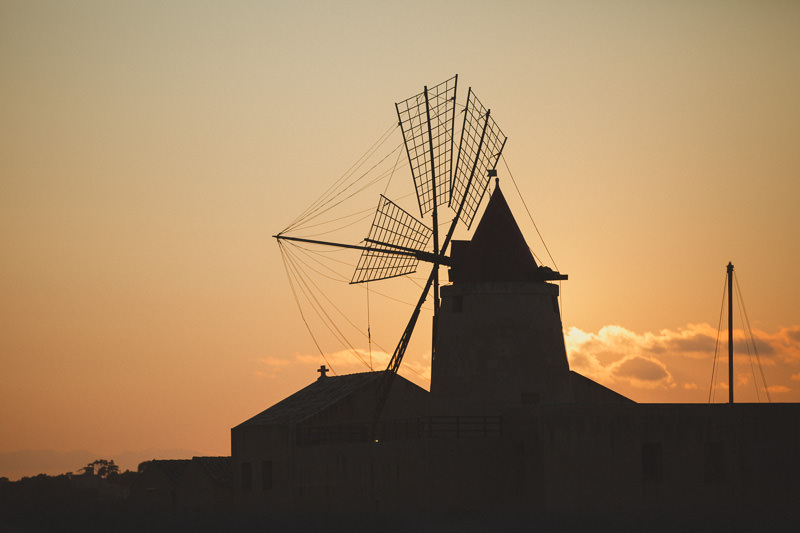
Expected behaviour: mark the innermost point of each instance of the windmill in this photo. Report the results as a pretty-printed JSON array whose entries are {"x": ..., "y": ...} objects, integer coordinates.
[{"x": 397, "y": 240}]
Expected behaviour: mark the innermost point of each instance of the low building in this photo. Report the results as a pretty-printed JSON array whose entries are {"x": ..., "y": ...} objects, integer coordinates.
[
  {"x": 206, "y": 484},
  {"x": 156, "y": 486},
  {"x": 196, "y": 483}
]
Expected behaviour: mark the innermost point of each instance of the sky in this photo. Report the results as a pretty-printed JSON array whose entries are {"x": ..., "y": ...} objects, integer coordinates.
[{"x": 149, "y": 151}]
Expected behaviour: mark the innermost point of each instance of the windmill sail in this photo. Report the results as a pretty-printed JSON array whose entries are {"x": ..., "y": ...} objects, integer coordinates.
[
  {"x": 478, "y": 151},
  {"x": 393, "y": 229},
  {"x": 427, "y": 120},
  {"x": 397, "y": 241}
]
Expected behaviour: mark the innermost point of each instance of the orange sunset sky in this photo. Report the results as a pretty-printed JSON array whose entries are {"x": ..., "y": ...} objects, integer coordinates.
[{"x": 149, "y": 151}]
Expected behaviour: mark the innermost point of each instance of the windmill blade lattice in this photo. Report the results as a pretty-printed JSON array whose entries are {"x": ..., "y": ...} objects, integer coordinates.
[
  {"x": 393, "y": 233},
  {"x": 480, "y": 147},
  {"x": 427, "y": 120}
]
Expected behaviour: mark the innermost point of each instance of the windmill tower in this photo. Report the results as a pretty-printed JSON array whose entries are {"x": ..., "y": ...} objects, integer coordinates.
[{"x": 500, "y": 340}]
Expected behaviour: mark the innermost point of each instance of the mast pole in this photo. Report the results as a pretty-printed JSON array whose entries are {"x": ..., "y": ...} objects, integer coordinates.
[
  {"x": 730, "y": 332},
  {"x": 435, "y": 227},
  {"x": 383, "y": 247}
]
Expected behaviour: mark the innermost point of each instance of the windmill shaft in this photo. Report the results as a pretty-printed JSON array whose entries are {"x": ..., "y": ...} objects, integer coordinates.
[
  {"x": 435, "y": 215},
  {"x": 397, "y": 357},
  {"x": 428, "y": 257},
  {"x": 383, "y": 247},
  {"x": 399, "y": 250},
  {"x": 387, "y": 379},
  {"x": 469, "y": 184}
]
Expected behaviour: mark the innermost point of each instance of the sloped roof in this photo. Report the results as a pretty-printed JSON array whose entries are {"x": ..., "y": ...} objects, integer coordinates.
[
  {"x": 586, "y": 390},
  {"x": 312, "y": 399},
  {"x": 497, "y": 251}
]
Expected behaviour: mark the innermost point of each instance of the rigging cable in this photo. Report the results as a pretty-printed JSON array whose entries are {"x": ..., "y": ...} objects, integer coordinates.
[
  {"x": 304, "y": 290},
  {"x": 364, "y": 213},
  {"x": 322, "y": 205},
  {"x": 327, "y": 320},
  {"x": 750, "y": 355},
  {"x": 396, "y": 162},
  {"x": 328, "y": 192},
  {"x": 341, "y": 337},
  {"x": 339, "y": 278},
  {"x": 529, "y": 213},
  {"x": 716, "y": 345},
  {"x": 293, "y": 259},
  {"x": 320, "y": 211},
  {"x": 530, "y": 216},
  {"x": 300, "y": 308},
  {"x": 752, "y": 340}
]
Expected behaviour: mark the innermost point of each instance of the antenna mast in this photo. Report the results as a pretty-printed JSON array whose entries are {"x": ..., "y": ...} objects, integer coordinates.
[{"x": 730, "y": 332}]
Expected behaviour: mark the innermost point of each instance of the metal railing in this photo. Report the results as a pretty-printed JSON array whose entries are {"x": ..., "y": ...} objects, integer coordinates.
[{"x": 400, "y": 429}]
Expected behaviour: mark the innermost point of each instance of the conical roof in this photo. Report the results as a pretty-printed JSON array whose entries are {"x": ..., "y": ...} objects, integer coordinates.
[{"x": 497, "y": 251}]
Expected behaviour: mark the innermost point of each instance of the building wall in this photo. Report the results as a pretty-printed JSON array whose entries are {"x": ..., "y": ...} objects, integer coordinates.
[
  {"x": 499, "y": 344},
  {"x": 263, "y": 469},
  {"x": 283, "y": 475},
  {"x": 686, "y": 459},
  {"x": 624, "y": 459},
  {"x": 154, "y": 489},
  {"x": 197, "y": 490}
]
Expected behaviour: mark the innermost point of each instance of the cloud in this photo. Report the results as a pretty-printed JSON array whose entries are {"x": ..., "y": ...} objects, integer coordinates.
[
  {"x": 347, "y": 361},
  {"x": 786, "y": 342},
  {"x": 642, "y": 372},
  {"x": 615, "y": 354},
  {"x": 640, "y": 368},
  {"x": 793, "y": 333},
  {"x": 778, "y": 388},
  {"x": 689, "y": 342},
  {"x": 674, "y": 359},
  {"x": 270, "y": 366},
  {"x": 670, "y": 365},
  {"x": 695, "y": 340}
]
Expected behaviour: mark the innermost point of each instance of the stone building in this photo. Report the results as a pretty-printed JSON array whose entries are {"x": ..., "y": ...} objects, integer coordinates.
[{"x": 507, "y": 426}]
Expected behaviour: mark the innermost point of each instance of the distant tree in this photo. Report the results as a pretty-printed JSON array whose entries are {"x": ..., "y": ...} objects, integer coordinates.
[{"x": 102, "y": 468}]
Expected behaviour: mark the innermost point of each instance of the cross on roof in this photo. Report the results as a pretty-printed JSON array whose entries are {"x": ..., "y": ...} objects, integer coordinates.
[{"x": 322, "y": 371}]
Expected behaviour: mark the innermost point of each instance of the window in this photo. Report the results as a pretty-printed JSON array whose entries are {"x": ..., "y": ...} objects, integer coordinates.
[
  {"x": 714, "y": 463},
  {"x": 652, "y": 462},
  {"x": 266, "y": 476},
  {"x": 247, "y": 477}
]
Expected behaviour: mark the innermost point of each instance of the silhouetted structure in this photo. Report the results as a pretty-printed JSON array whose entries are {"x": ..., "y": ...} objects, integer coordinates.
[
  {"x": 507, "y": 425},
  {"x": 196, "y": 483},
  {"x": 156, "y": 486}
]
